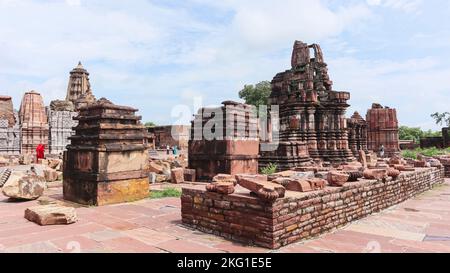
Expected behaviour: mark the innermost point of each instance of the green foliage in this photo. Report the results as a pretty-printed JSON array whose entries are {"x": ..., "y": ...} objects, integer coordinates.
[
  {"x": 269, "y": 169},
  {"x": 256, "y": 94},
  {"x": 426, "y": 152},
  {"x": 415, "y": 133},
  {"x": 442, "y": 119},
  {"x": 169, "y": 192},
  {"x": 150, "y": 124}
]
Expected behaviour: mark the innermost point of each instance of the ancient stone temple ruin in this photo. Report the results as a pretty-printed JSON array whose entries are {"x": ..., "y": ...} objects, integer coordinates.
[
  {"x": 9, "y": 127},
  {"x": 311, "y": 114},
  {"x": 60, "y": 117},
  {"x": 357, "y": 134},
  {"x": 33, "y": 122},
  {"x": 231, "y": 147},
  {"x": 107, "y": 159},
  {"x": 79, "y": 89},
  {"x": 382, "y": 129}
]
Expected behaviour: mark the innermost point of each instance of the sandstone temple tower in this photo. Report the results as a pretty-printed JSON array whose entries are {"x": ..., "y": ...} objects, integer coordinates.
[
  {"x": 311, "y": 113},
  {"x": 79, "y": 89},
  {"x": 33, "y": 122},
  {"x": 383, "y": 129}
]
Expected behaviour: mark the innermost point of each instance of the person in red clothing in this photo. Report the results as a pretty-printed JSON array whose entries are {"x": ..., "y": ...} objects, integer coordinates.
[{"x": 40, "y": 151}]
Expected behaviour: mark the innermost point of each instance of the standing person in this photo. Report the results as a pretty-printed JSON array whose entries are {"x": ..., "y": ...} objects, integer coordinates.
[
  {"x": 167, "y": 149},
  {"x": 40, "y": 149},
  {"x": 382, "y": 150},
  {"x": 175, "y": 150}
]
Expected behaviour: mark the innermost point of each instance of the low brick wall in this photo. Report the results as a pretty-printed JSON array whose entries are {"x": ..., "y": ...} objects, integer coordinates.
[{"x": 298, "y": 216}]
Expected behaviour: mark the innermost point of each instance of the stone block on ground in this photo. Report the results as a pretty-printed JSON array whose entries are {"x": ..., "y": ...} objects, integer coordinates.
[
  {"x": 24, "y": 186},
  {"x": 51, "y": 215},
  {"x": 177, "y": 175},
  {"x": 155, "y": 167},
  {"x": 50, "y": 175}
]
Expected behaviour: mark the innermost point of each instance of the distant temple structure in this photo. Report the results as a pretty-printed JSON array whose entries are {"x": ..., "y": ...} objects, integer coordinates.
[
  {"x": 9, "y": 127},
  {"x": 383, "y": 129},
  {"x": 357, "y": 134},
  {"x": 33, "y": 122},
  {"x": 312, "y": 116},
  {"x": 79, "y": 89}
]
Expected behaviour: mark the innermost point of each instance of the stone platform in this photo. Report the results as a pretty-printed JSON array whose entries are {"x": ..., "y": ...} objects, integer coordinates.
[{"x": 244, "y": 218}]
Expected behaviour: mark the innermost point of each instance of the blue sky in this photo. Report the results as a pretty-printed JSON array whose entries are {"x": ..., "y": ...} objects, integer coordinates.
[{"x": 166, "y": 56}]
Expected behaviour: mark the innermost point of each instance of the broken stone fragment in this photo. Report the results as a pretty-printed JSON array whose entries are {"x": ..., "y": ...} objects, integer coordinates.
[
  {"x": 266, "y": 191},
  {"x": 177, "y": 175},
  {"x": 298, "y": 185},
  {"x": 225, "y": 178},
  {"x": 51, "y": 215},
  {"x": 378, "y": 174},
  {"x": 155, "y": 167},
  {"x": 221, "y": 187},
  {"x": 395, "y": 160},
  {"x": 420, "y": 164},
  {"x": 394, "y": 173},
  {"x": 317, "y": 183},
  {"x": 50, "y": 175},
  {"x": 354, "y": 175},
  {"x": 23, "y": 186},
  {"x": 55, "y": 164},
  {"x": 337, "y": 179},
  {"x": 362, "y": 158}
]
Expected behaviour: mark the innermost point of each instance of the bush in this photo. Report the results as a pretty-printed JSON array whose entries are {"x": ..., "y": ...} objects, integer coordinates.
[
  {"x": 169, "y": 192},
  {"x": 269, "y": 169}
]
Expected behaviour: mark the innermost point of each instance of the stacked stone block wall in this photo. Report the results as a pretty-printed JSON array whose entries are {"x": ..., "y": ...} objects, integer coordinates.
[{"x": 241, "y": 217}]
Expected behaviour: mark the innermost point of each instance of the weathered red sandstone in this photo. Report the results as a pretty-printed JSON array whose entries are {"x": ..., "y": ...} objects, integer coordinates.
[
  {"x": 266, "y": 191},
  {"x": 312, "y": 115},
  {"x": 177, "y": 175},
  {"x": 378, "y": 174},
  {"x": 337, "y": 179},
  {"x": 221, "y": 187},
  {"x": 383, "y": 129},
  {"x": 225, "y": 178}
]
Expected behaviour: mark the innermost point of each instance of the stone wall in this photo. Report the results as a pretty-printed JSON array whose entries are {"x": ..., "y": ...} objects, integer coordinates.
[
  {"x": 298, "y": 216},
  {"x": 10, "y": 136}
]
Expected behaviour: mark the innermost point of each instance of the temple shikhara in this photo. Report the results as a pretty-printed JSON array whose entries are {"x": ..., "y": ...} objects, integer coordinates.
[
  {"x": 266, "y": 178},
  {"x": 312, "y": 115}
]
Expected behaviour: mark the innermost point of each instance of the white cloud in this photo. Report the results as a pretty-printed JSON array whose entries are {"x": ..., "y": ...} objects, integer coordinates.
[{"x": 405, "y": 5}]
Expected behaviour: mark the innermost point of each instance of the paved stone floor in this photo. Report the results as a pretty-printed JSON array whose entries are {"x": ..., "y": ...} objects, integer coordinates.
[{"x": 421, "y": 224}]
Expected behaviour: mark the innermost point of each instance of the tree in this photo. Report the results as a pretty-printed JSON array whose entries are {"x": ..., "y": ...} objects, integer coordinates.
[
  {"x": 442, "y": 119},
  {"x": 415, "y": 133},
  {"x": 256, "y": 94},
  {"x": 150, "y": 124}
]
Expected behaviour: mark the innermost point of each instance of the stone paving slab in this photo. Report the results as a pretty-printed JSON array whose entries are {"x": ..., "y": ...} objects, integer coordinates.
[{"x": 421, "y": 224}]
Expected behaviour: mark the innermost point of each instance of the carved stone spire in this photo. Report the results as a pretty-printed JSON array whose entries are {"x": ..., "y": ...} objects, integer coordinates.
[{"x": 79, "y": 89}]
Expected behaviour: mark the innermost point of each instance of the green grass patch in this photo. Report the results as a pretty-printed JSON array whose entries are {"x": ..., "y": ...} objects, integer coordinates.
[
  {"x": 426, "y": 152},
  {"x": 169, "y": 192}
]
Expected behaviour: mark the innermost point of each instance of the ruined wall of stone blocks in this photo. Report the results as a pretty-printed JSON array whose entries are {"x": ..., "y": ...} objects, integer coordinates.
[
  {"x": 298, "y": 216},
  {"x": 61, "y": 124},
  {"x": 383, "y": 129}
]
